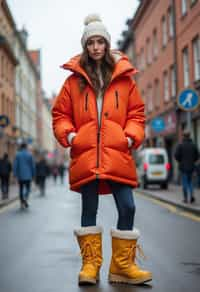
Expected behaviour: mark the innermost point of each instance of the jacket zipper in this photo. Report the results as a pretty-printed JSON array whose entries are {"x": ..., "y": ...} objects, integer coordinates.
[
  {"x": 86, "y": 102},
  {"x": 98, "y": 132},
  {"x": 117, "y": 98}
]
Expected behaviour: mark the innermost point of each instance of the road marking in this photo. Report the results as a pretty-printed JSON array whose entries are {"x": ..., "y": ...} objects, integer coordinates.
[
  {"x": 8, "y": 207},
  {"x": 171, "y": 208}
]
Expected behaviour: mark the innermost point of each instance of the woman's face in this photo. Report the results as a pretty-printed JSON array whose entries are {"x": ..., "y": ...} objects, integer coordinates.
[{"x": 96, "y": 47}]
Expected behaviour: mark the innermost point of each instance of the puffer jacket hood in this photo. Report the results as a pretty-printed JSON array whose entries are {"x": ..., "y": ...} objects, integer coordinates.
[
  {"x": 123, "y": 66},
  {"x": 100, "y": 150}
]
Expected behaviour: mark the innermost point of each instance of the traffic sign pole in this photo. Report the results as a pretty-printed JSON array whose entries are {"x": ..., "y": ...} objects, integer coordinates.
[{"x": 189, "y": 121}]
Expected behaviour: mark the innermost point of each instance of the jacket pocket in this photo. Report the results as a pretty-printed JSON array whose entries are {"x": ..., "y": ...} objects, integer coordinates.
[
  {"x": 86, "y": 102},
  {"x": 116, "y": 99}
]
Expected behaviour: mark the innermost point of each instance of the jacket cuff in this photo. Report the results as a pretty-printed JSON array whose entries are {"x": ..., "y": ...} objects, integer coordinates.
[
  {"x": 70, "y": 137},
  {"x": 130, "y": 142}
]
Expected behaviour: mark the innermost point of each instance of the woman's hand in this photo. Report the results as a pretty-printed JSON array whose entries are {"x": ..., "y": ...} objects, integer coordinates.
[
  {"x": 130, "y": 142},
  {"x": 70, "y": 137}
]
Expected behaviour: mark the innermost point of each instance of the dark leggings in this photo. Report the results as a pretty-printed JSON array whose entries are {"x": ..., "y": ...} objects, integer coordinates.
[
  {"x": 124, "y": 200},
  {"x": 24, "y": 189}
]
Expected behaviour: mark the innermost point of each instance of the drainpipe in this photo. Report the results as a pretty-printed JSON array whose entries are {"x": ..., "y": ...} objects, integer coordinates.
[{"x": 178, "y": 133}]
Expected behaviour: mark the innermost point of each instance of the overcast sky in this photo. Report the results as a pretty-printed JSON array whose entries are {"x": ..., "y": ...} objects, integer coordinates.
[{"x": 56, "y": 27}]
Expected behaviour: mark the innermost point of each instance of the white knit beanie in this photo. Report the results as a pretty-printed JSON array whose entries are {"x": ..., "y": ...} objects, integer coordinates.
[{"x": 94, "y": 27}]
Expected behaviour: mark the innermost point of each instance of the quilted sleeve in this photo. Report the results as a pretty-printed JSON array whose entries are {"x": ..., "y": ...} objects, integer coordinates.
[
  {"x": 62, "y": 115},
  {"x": 135, "y": 117}
]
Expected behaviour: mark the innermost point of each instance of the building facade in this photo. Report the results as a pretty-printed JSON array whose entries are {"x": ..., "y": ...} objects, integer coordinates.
[
  {"x": 48, "y": 137},
  {"x": 8, "y": 64},
  {"x": 167, "y": 53},
  {"x": 188, "y": 57},
  {"x": 35, "y": 56},
  {"x": 26, "y": 92}
]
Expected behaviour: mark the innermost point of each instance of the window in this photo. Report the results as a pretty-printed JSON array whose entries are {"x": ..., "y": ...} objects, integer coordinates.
[
  {"x": 183, "y": 7},
  {"x": 164, "y": 31},
  {"x": 171, "y": 22},
  {"x": 3, "y": 104},
  {"x": 149, "y": 99},
  {"x": 157, "y": 93},
  {"x": 148, "y": 51},
  {"x": 2, "y": 66},
  {"x": 166, "y": 86},
  {"x": 173, "y": 81},
  {"x": 156, "y": 159},
  {"x": 192, "y": 2},
  {"x": 144, "y": 99},
  {"x": 142, "y": 61},
  {"x": 196, "y": 58},
  {"x": 155, "y": 44},
  {"x": 186, "y": 76}
]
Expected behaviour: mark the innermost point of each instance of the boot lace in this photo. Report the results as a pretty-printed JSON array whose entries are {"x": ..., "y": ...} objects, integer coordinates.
[
  {"x": 132, "y": 253},
  {"x": 88, "y": 251}
]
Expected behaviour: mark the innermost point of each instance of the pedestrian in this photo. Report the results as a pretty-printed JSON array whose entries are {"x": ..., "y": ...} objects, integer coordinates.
[
  {"x": 5, "y": 171},
  {"x": 99, "y": 114},
  {"x": 42, "y": 171},
  {"x": 24, "y": 171},
  {"x": 197, "y": 170},
  {"x": 54, "y": 172},
  {"x": 186, "y": 154},
  {"x": 61, "y": 170}
]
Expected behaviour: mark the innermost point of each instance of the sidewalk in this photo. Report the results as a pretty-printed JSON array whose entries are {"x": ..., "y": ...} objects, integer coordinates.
[
  {"x": 14, "y": 192},
  {"x": 13, "y": 195},
  {"x": 173, "y": 196}
]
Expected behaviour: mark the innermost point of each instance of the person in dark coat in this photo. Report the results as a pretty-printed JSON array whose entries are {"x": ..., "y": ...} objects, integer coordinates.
[
  {"x": 197, "y": 169},
  {"x": 42, "y": 171},
  {"x": 61, "y": 170},
  {"x": 54, "y": 172},
  {"x": 5, "y": 170},
  {"x": 24, "y": 171},
  {"x": 186, "y": 155}
]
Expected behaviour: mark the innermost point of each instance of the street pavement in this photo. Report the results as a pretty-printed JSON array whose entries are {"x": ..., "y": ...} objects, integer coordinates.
[
  {"x": 172, "y": 196},
  {"x": 39, "y": 253}
]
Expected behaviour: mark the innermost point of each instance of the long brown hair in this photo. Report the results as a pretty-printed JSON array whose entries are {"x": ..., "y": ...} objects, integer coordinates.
[{"x": 89, "y": 65}]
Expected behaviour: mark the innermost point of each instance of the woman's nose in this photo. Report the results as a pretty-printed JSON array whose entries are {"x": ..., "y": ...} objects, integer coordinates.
[{"x": 95, "y": 46}]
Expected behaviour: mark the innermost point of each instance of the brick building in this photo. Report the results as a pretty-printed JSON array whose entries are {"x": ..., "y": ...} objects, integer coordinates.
[
  {"x": 166, "y": 49},
  {"x": 8, "y": 63},
  {"x": 35, "y": 57}
]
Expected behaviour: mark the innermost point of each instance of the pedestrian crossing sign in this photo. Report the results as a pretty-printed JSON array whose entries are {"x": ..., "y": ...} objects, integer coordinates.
[{"x": 188, "y": 100}]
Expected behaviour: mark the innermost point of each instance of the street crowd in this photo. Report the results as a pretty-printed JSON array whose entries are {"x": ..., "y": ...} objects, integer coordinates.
[{"x": 26, "y": 168}]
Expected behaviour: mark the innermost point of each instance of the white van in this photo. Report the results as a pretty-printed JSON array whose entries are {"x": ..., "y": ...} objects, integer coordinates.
[{"x": 153, "y": 167}]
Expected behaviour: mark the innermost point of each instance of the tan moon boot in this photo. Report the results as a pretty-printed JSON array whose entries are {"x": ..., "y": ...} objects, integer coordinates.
[
  {"x": 90, "y": 243},
  {"x": 123, "y": 268}
]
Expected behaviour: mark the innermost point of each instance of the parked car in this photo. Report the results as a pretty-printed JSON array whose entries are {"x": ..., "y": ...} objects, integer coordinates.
[{"x": 153, "y": 167}]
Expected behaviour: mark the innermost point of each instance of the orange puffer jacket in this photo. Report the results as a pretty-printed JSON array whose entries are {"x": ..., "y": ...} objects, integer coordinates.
[{"x": 100, "y": 151}]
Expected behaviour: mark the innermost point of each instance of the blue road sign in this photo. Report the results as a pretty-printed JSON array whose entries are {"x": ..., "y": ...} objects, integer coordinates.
[
  {"x": 4, "y": 121},
  {"x": 188, "y": 100},
  {"x": 29, "y": 140},
  {"x": 158, "y": 124}
]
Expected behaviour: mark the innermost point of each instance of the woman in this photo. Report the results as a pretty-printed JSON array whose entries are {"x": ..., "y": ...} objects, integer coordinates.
[{"x": 100, "y": 115}]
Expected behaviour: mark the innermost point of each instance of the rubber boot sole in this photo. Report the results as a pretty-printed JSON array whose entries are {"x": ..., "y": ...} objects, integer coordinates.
[
  {"x": 88, "y": 281},
  {"x": 121, "y": 279}
]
